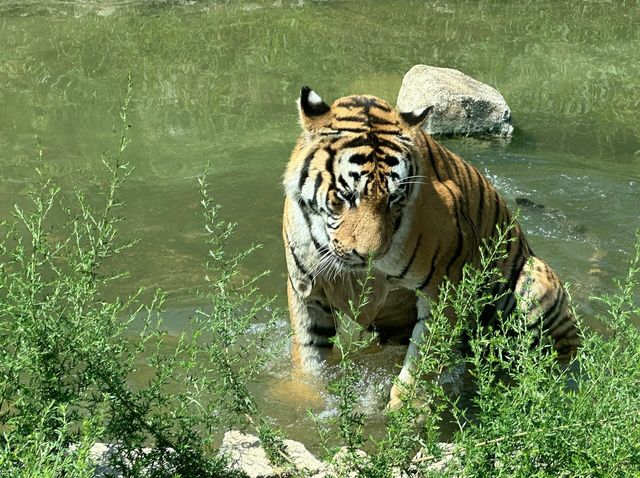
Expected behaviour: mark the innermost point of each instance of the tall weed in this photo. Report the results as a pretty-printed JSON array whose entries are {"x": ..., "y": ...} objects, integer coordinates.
[{"x": 70, "y": 351}]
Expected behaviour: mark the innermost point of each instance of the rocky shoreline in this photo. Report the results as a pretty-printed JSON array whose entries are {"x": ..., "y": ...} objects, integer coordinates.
[{"x": 245, "y": 453}]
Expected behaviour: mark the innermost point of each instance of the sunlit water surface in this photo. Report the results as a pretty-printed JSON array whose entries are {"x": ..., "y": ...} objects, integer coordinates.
[{"x": 218, "y": 83}]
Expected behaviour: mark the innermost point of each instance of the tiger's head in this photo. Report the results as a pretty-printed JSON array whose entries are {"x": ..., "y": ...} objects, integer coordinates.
[{"x": 352, "y": 172}]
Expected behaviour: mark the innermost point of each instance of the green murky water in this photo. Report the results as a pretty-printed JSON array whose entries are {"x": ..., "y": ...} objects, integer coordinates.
[{"x": 218, "y": 82}]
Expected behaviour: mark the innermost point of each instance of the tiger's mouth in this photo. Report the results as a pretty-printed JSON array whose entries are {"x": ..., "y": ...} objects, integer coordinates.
[
  {"x": 330, "y": 265},
  {"x": 351, "y": 263},
  {"x": 355, "y": 261}
]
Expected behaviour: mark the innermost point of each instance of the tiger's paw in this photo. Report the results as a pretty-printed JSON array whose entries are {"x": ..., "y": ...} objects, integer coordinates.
[
  {"x": 395, "y": 399},
  {"x": 398, "y": 400}
]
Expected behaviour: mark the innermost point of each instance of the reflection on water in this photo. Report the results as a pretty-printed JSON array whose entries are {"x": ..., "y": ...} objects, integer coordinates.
[{"x": 218, "y": 83}]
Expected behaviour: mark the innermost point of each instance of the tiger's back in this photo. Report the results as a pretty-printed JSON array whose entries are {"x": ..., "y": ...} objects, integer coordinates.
[{"x": 365, "y": 181}]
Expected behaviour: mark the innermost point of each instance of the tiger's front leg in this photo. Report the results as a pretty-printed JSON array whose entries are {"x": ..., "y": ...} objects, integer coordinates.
[
  {"x": 313, "y": 327},
  {"x": 407, "y": 375}
]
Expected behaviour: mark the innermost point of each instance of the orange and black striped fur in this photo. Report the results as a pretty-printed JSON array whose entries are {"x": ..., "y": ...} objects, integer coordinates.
[{"x": 365, "y": 181}]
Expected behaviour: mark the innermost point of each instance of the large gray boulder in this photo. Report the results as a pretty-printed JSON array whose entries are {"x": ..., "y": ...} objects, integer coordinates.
[{"x": 461, "y": 105}]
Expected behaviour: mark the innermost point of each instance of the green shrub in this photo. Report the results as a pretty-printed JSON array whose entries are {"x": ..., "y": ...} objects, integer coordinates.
[
  {"x": 70, "y": 351},
  {"x": 528, "y": 415}
]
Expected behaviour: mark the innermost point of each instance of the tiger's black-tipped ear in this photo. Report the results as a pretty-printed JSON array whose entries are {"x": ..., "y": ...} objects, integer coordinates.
[
  {"x": 417, "y": 116},
  {"x": 312, "y": 109},
  {"x": 311, "y": 104}
]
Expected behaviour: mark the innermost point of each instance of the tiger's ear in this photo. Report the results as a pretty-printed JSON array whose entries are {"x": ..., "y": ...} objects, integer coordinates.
[
  {"x": 313, "y": 111},
  {"x": 416, "y": 117}
]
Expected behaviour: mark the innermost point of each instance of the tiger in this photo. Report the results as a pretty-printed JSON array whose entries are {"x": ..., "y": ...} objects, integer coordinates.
[{"x": 366, "y": 185}]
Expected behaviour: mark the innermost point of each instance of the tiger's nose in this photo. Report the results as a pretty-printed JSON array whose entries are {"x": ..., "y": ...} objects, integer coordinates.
[{"x": 374, "y": 253}]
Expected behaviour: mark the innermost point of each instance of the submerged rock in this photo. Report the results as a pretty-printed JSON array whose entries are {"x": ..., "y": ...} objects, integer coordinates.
[{"x": 461, "y": 104}]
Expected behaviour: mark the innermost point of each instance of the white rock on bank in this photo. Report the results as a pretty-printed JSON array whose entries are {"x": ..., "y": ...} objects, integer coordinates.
[
  {"x": 462, "y": 105},
  {"x": 246, "y": 453}
]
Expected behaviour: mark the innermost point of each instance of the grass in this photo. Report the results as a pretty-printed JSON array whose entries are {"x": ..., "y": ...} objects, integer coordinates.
[{"x": 211, "y": 65}]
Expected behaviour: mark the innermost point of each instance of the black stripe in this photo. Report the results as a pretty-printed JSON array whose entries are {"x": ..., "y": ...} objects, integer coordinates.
[
  {"x": 411, "y": 173},
  {"x": 359, "y": 159},
  {"x": 331, "y": 155},
  {"x": 332, "y": 177},
  {"x": 317, "y": 244},
  {"x": 456, "y": 256},
  {"x": 316, "y": 188},
  {"x": 454, "y": 169},
  {"x": 396, "y": 224},
  {"x": 304, "y": 172},
  {"x": 482, "y": 190},
  {"x": 380, "y": 121},
  {"x": 447, "y": 164},
  {"x": 381, "y": 142},
  {"x": 321, "y": 330},
  {"x": 413, "y": 257},
  {"x": 325, "y": 308},
  {"x": 353, "y": 130},
  {"x": 496, "y": 214},
  {"x": 560, "y": 322},
  {"x": 425, "y": 282},
  {"x": 467, "y": 175},
  {"x": 514, "y": 274},
  {"x": 296, "y": 260},
  {"x": 460, "y": 238},
  {"x": 343, "y": 183},
  {"x": 433, "y": 161},
  {"x": 508, "y": 302},
  {"x": 406, "y": 189},
  {"x": 382, "y": 107},
  {"x": 517, "y": 265},
  {"x": 355, "y": 102},
  {"x": 349, "y": 104},
  {"x": 553, "y": 312},
  {"x": 356, "y": 142},
  {"x": 358, "y": 119},
  {"x": 466, "y": 179},
  {"x": 362, "y": 102},
  {"x": 313, "y": 342},
  {"x": 390, "y": 161},
  {"x": 315, "y": 241}
]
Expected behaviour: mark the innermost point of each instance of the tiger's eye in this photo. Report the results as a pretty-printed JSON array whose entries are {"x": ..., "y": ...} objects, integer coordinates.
[{"x": 349, "y": 196}]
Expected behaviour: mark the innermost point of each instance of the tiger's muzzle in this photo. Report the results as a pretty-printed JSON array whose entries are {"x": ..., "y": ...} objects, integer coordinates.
[{"x": 365, "y": 231}]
